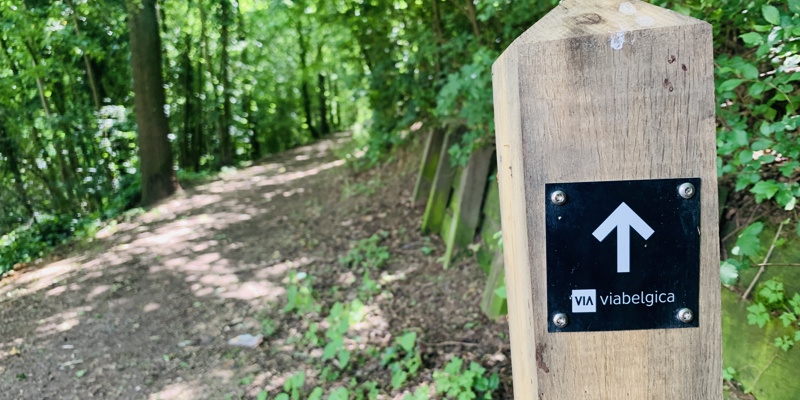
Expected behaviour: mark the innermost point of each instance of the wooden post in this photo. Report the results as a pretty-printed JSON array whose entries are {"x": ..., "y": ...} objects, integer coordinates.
[
  {"x": 464, "y": 211},
  {"x": 606, "y": 90},
  {"x": 427, "y": 170},
  {"x": 442, "y": 185}
]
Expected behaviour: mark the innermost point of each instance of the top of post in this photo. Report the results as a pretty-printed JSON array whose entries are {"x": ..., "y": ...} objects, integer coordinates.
[{"x": 577, "y": 18}]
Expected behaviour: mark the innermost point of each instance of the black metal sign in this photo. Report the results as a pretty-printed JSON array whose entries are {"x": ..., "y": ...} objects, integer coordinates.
[{"x": 623, "y": 255}]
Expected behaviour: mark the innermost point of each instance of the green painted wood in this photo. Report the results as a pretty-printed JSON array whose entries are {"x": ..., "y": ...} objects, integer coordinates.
[
  {"x": 465, "y": 205},
  {"x": 750, "y": 349},
  {"x": 442, "y": 185},
  {"x": 490, "y": 223},
  {"x": 427, "y": 169},
  {"x": 763, "y": 369},
  {"x": 493, "y": 305}
]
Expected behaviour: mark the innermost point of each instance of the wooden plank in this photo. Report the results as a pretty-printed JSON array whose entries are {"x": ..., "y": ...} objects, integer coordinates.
[
  {"x": 439, "y": 195},
  {"x": 465, "y": 205},
  {"x": 490, "y": 223},
  {"x": 493, "y": 305},
  {"x": 427, "y": 169},
  {"x": 598, "y": 91}
]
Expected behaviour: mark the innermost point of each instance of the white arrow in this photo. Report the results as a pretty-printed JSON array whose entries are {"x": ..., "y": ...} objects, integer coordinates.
[{"x": 623, "y": 218}]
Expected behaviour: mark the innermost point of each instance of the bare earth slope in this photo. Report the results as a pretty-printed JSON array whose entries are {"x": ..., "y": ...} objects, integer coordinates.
[{"x": 147, "y": 312}]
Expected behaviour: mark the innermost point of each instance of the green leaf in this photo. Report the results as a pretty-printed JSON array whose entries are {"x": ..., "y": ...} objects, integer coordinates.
[
  {"x": 332, "y": 348},
  {"x": 501, "y": 292},
  {"x": 787, "y": 318},
  {"x": 794, "y": 6},
  {"x": 729, "y": 373},
  {"x": 281, "y": 396},
  {"x": 752, "y": 38},
  {"x": 771, "y": 14},
  {"x": 316, "y": 394},
  {"x": 262, "y": 395},
  {"x": 398, "y": 378},
  {"x": 749, "y": 71},
  {"x": 343, "y": 357},
  {"x": 772, "y": 291},
  {"x": 340, "y": 393},
  {"x": 748, "y": 242},
  {"x": 795, "y": 303},
  {"x": 80, "y": 373},
  {"x": 789, "y": 168},
  {"x": 757, "y": 315},
  {"x": 745, "y": 156},
  {"x": 728, "y": 273},
  {"x": 730, "y": 84},
  {"x": 407, "y": 341},
  {"x": 784, "y": 343},
  {"x": 764, "y": 190}
]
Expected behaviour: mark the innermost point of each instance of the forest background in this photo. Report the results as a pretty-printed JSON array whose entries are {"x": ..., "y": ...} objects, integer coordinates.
[{"x": 245, "y": 79}]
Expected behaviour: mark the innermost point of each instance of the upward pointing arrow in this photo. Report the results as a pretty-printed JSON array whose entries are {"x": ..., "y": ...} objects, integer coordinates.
[{"x": 623, "y": 218}]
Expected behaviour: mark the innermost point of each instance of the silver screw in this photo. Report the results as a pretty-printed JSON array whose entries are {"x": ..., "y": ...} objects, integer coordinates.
[
  {"x": 686, "y": 190},
  {"x": 685, "y": 315},
  {"x": 558, "y": 197},
  {"x": 560, "y": 320}
]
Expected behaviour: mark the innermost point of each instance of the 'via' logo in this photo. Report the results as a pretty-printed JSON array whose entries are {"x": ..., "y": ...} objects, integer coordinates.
[{"x": 584, "y": 301}]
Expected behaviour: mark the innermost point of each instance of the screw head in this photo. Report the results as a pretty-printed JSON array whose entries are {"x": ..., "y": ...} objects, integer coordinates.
[
  {"x": 686, "y": 190},
  {"x": 685, "y": 315},
  {"x": 558, "y": 197},
  {"x": 560, "y": 320}
]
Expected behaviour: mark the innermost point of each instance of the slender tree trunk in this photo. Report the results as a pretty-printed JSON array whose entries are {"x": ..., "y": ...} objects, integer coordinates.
[
  {"x": 87, "y": 63},
  {"x": 324, "y": 127},
  {"x": 336, "y": 117},
  {"x": 437, "y": 32},
  {"x": 226, "y": 147},
  {"x": 304, "y": 89},
  {"x": 198, "y": 133},
  {"x": 469, "y": 9},
  {"x": 9, "y": 148},
  {"x": 188, "y": 107},
  {"x": 155, "y": 151}
]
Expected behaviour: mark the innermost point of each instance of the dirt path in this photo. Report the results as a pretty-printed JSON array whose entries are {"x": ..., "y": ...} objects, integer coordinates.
[{"x": 148, "y": 311}]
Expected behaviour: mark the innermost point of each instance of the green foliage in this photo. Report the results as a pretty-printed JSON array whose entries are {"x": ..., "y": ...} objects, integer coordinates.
[
  {"x": 26, "y": 243},
  {"x": 729, "y": 373},
  {"x": 292, "y": 387},
  {"x": 771, "y": 302},
  {"x": 467, "y": 384},
  {"x": 367, "y": 253},
  {"x": 300, "y": 295},
  {"x": 402, "y": 358},
  {"x": 748, "y": 244}
]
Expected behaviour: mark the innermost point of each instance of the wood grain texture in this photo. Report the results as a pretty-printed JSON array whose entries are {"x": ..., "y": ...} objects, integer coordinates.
[{"x": 600, "y": 91}]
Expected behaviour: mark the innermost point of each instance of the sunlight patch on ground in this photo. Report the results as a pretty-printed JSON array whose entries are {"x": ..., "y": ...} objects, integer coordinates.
[
  {"x": 58, "y": 290},
  {"x": 40, "y": 279},
  {"x": 282, "y": 268},
  {"x": 292, "y": 176},
  {"x": 261, "y": 290},
  {"x": 178, "y": 391},
  {"x": 97, "y": 291},
  {"x": 61, "y": 322}
]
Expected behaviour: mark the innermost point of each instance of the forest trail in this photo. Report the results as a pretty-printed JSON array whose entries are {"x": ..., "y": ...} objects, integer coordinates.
[{"x": 147, "y": 311}]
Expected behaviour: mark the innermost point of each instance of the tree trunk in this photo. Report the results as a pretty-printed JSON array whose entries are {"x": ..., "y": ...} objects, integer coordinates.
[
  {"x": 304, "y": 90},
  {"x": 188, "y": 109},
  {"x": 225, "y": 145},
  {"x": 9, "y": 148},
  {"x": 155, "y": 151},
  {"x": 324, "y": 126}
]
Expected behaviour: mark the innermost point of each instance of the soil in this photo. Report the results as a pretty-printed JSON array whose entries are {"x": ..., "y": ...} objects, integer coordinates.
[{"x": 148, "y": 309}]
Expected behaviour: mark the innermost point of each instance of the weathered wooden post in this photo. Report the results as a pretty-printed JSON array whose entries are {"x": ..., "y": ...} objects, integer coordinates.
[{"x": 604, "y": 113}]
